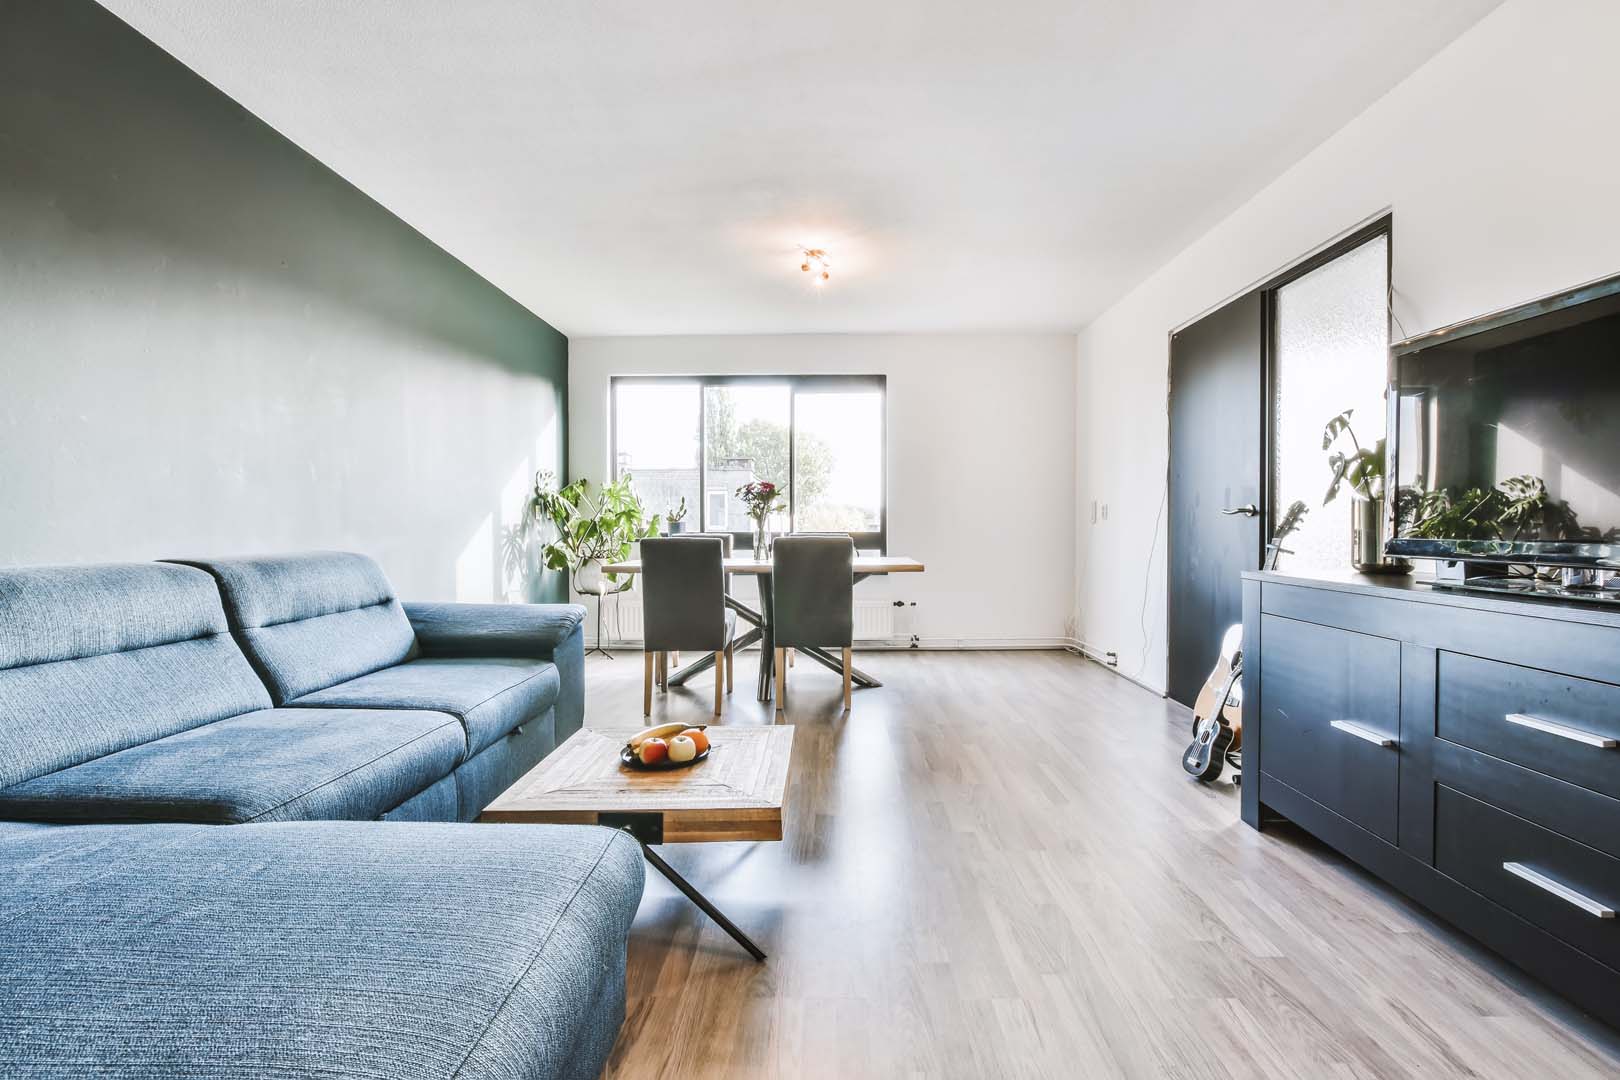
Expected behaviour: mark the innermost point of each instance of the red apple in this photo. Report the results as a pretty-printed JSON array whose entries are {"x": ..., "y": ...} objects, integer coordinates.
[{"x": 653, "y": 751}]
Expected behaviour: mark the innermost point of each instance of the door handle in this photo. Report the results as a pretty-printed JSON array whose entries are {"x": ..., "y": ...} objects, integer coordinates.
[
  {"x": 1563, "y": 731},
  {"x": 1560, "y": 890},
  {"x": 1247, "y": 510},
  {"x": 1366, "y": 734}
]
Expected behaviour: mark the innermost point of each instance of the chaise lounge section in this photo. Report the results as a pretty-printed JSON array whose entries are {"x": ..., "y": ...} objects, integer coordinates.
[
  {"x": 313, "y": 949},
  {"x": 342, "y": 923}
]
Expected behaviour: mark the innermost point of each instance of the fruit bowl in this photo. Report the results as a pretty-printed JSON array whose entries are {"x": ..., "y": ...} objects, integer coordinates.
[
  {"x": 627, "y": 758},
  {"x": 666, "y": 746}
]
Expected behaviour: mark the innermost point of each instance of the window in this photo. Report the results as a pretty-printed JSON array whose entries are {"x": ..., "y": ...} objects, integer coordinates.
[
  {"x": 821, "y": 437},
  {"x": 656, "y": 438},
  {"x": 1330, "y": 354},
  {"x": 745, "y": 438}
]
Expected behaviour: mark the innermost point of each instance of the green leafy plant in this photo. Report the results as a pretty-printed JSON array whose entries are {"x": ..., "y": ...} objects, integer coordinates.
[
  {"x": 1518, "y": 508},
  {"x": 678, "y": 514},
  {"x": 585, "y": 528},
  {"x": 1437, "y": 515},
  {"x": 1362, "y": 468}
]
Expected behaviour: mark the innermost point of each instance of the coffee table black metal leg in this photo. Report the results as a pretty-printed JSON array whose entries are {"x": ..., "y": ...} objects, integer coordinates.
[{"x": 703, "y": 903}]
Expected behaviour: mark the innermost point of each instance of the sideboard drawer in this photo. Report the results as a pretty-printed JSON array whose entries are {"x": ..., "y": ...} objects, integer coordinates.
[
  {"x": 1330, "y": 709},
  {"x": 1566, "y": 888},
  {"x": 1558, "y": 725}
]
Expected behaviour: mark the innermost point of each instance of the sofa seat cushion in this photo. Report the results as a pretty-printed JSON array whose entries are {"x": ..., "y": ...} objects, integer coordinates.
[
  {"x": 271, "y": 765},
  {"x": 491, "y": 697},
  {"x": 313, "y": 950}
]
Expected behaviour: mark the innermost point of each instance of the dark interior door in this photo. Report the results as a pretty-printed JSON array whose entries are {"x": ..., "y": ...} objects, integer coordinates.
[{"x": 1215, "y": 452}]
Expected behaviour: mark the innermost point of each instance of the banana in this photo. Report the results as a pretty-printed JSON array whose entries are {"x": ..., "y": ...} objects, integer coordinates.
[{"x": 662, "y": 731}]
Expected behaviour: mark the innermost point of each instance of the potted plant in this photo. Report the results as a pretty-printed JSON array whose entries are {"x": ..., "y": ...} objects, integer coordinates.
[
  {"x": 677, "y": 518},
  {"x": 761, "y": 499},
  {"x": 588, "y": 530},
  {"x": 1363, "y": 470}
]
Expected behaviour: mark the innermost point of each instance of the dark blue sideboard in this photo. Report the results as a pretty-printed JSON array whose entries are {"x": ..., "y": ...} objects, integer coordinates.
[{"x": 1465, "y": 749}]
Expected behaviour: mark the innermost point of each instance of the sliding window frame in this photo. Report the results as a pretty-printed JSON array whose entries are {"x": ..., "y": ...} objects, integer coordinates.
[{"x": 865, "y": 541}]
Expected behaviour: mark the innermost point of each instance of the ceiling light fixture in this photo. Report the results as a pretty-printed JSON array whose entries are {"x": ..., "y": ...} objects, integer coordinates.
[{"x": 815, "y": 261}]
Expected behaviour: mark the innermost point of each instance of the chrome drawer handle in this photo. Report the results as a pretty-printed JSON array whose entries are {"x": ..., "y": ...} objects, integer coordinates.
[
  {"x": 1563, "y": 892},
  {"x": 1350, "y": 727},
  {"x": 1563, "y": 731}
]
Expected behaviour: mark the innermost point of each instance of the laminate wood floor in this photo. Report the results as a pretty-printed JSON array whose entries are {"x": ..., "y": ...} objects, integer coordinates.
[{"x": 994, "y": 867}]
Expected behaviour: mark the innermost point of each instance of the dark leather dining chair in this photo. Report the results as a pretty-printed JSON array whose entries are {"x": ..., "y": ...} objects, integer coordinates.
[
  {"x": 813, "y": 596},
  {"x": 792, "y": 653},
  {"x": 727, "y": 540},
  {"x": 683, "y": 606}
]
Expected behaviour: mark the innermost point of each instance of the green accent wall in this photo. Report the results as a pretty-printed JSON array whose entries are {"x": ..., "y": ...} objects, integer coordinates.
[{"x": 213, "y": 343}]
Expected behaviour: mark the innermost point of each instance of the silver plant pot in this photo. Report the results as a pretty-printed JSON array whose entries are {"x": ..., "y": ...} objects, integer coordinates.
[{"x": 1367, "y": 535}]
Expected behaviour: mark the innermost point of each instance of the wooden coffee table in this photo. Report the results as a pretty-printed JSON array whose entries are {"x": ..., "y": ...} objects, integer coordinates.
[{"x": 734, "y": 794}]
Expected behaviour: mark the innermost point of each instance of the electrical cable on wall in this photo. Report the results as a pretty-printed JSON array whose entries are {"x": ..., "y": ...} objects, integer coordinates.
[
  {"x": 1397, "y": 319},
  {"x": 1147, "y": 581}
]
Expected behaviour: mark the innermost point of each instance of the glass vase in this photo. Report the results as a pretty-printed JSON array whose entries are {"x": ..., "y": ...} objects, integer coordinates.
[{"x": 762, "y": 539}]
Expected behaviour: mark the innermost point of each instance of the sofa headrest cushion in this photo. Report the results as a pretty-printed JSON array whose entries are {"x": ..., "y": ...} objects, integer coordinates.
[
  {"x": 51, "y": 613},
  {"x": 267, "y": 590}
]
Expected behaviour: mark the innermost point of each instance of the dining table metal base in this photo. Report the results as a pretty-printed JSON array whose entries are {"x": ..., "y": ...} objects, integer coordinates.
[{"x": 761, "y": 634}]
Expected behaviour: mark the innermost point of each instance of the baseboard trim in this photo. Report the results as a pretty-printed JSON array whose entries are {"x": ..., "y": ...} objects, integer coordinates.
[
  {"x": 922, "y": 644},
  {"x": 1065, "y": 644}
]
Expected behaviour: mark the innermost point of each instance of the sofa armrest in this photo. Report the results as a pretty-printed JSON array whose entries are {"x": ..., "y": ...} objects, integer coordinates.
[
  {"x": 552, "y": 632},
  {"x": 529, "y": 631}
]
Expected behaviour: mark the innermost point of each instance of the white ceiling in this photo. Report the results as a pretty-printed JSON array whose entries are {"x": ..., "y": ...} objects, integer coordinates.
[{"x": 652, "y": 167}]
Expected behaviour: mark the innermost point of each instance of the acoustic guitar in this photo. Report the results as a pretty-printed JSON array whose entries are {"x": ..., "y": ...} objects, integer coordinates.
[
  {"x": 1218, "y": 709},
  {"x": 1218, "y": 712}
]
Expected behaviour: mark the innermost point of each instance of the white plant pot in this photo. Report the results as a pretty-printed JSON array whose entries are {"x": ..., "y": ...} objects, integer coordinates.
[{"x": 588, "y": 578}]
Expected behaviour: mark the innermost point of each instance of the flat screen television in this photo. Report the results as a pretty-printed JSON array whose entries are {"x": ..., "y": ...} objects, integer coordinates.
[{"x": 1505, "y": 430}]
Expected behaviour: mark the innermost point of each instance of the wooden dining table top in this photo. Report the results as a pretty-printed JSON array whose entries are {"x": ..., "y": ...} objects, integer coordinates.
[{"x": 747, "y": 564}]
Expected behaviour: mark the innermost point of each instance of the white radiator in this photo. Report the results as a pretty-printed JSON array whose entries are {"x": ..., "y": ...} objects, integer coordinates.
[
  {"x": 874, "y": 620},
  {"x": 621, "y": 621}
]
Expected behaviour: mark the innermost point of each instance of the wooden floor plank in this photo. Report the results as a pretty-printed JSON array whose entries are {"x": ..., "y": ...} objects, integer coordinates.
[{"x": 994, "y": 867}]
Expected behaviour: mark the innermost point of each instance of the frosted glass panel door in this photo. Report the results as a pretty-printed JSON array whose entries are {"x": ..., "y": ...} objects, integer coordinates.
[{"x": 1331, "y": 354}]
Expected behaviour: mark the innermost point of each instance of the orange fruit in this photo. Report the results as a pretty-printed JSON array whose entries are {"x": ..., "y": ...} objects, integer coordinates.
[{"x": 697, "y": 736}]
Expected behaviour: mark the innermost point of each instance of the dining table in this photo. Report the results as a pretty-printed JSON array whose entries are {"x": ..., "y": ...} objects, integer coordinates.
[{"x": 865, "y": 566}]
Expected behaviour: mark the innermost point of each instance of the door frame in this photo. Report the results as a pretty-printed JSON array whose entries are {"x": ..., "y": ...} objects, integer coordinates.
[{"x": 1383, "y": 225}]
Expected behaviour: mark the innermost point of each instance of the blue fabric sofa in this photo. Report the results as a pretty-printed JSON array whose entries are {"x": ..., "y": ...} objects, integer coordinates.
[
  {"x": 292, "y": 687},
  {"x": 313, "y": 949},
  {"x": 341, "y": 923}
]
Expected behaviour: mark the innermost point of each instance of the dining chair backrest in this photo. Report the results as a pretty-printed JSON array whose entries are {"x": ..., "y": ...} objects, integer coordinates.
[
  {"x": 813, "y": 591},
  {"x": 724, "y": 537},
  {"x": 683, "y": 600}
]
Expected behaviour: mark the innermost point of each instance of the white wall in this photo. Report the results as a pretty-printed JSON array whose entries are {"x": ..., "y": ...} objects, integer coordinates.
[
  {"x": 1500, "y": 163},
  {"x": 981, "y": 463}
]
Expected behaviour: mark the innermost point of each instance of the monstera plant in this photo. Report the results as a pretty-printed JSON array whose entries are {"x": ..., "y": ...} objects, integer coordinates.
[
  {"x": 586, "y": 530},
  {"x": 1362, "y": 468}
]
